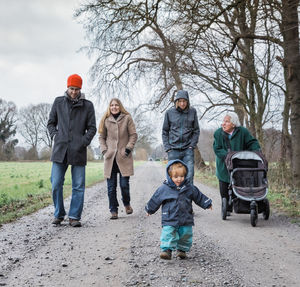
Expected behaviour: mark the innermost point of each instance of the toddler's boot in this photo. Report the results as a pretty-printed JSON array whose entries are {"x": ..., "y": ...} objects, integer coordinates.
[
  {"x": 181, "y": 254},
  {"x": 166, "y": 254}
]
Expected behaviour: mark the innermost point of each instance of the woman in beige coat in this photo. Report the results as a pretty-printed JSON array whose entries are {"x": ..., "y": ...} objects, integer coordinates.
[{"x": 117, "y": 139}]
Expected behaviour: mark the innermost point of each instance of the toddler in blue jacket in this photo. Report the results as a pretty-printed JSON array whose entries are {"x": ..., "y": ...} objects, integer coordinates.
[{"x": 175, "y": 196}]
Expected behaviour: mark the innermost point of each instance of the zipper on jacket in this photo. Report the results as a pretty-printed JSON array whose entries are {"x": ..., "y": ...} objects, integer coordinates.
[{"x": 181, "y": 125}]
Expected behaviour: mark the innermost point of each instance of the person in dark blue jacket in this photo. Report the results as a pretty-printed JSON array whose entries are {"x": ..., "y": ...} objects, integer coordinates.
[
  {"x": 175, "y": 196},
  {"x": 180, "y": 131}
]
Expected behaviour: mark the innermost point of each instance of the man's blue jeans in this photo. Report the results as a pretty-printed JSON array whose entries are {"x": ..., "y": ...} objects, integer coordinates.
[
  {"x": 112, "y": 191},
  {"x": 78, "y": 185},
  {"x": 187, "y": 156}
]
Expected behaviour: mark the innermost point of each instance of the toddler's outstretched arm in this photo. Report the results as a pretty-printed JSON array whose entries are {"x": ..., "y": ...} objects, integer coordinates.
[
  {"x": 201, "y": 199},
  {"x": 154, "y": 203}
]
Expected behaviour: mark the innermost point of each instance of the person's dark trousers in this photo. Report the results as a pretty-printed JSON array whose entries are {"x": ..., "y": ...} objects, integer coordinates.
[
  {"x": 224, "y": 192},
  {"x": 112, "y": 191},
  {"x": 187, "y": 156}
]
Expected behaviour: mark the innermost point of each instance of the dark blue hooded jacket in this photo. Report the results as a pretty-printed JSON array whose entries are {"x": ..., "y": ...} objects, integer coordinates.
[{"x": 176, "y": 201}]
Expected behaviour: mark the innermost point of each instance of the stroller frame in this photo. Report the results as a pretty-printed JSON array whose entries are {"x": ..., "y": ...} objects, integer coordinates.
[{"x": 248, "y": 183}]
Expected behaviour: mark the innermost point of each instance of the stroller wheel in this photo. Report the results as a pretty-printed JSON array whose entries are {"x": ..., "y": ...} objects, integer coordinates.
[
  {"x": 253, "y": 218},
  {"x": 266, "y": 212},
  {"x": 224, "y": 208}
]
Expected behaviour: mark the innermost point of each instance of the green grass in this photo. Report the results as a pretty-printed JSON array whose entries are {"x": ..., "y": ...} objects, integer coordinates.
[
  {"x": 281, "y": 196},
  {"x": 207, "y": 176},
  {"x": 20, "y": 180},
  {"x": 25, "y": 187}
]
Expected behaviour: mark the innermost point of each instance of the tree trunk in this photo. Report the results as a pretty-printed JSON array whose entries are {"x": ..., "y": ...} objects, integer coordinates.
[
  {"x": 285, "y": 145},
  {"x": 199, "y": 162},
  {"x": 292, "y": 59}
]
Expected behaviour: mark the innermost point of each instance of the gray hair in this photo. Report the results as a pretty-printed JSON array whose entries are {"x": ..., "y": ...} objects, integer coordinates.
[{"x": 233, "y": 118}]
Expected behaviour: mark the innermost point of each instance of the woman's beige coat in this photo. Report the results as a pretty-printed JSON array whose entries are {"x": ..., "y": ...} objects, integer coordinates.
[{"x": 118, "y": 135}]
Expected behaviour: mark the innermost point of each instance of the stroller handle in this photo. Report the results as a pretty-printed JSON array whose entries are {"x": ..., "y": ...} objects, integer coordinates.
[{"x": 248, "y": 169}]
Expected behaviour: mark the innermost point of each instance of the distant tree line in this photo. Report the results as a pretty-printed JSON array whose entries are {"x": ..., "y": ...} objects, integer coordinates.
[
  {"x": 8, "y": 129},
  {"x": 31, "y": 124}
]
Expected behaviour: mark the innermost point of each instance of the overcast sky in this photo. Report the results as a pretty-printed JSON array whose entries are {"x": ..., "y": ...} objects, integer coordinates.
[
  {"x": 39, "y": 47},
  {"x": 39, "y": 50}
]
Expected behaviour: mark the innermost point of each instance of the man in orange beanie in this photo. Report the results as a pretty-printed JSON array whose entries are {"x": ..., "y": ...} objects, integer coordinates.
[
  {"x": 72, "y": 126},
  {"x": 74, "y": 81}
]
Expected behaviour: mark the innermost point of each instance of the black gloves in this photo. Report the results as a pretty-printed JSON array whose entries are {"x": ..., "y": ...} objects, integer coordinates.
[{"x": 127, "y": 151}]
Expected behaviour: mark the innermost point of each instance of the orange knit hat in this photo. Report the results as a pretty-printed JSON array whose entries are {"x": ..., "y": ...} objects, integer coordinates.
[{"x": 74, "y": 81}]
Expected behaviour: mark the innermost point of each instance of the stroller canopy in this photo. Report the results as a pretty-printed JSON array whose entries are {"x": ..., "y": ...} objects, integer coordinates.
[{"x": 245, "y": 155}]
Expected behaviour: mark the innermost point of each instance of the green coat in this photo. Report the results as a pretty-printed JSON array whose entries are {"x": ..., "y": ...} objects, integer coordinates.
[{"x": 241, "y": 139}]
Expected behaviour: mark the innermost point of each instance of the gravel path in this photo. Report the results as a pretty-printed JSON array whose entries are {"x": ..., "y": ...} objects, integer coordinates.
[{"x": 125, "y": 252}]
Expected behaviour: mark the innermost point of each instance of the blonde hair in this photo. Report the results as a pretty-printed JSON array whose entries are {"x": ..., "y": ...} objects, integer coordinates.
[
  {"x": 108, "y": 113},
  {"x": 177, "y": 168}
]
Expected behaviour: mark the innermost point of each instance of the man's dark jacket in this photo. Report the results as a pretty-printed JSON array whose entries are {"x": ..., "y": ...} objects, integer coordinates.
[
  {"x": 180, "y": 128},
  {"x": 72, "y": 124},
  {"x": 176, "y": 201}
]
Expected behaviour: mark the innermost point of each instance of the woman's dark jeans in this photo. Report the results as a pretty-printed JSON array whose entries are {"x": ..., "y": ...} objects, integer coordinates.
[
  {"x": 112, "y": 191},
  {"x": 224, "y": 189},
  {"x": 224, "y": 192}
]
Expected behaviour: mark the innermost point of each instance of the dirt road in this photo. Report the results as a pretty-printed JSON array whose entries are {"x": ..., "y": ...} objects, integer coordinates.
[{"x": 125, "y": 252}]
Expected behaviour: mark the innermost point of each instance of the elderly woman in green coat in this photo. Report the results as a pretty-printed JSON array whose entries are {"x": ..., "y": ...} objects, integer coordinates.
[{"x": 231, "y": 136}]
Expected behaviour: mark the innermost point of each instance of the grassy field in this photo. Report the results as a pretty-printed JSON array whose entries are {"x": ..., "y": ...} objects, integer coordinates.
[{"x": 25, "y": 186}]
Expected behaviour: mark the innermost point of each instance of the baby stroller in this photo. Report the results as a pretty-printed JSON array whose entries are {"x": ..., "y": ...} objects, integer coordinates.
[{"x": 248, "y": 186}]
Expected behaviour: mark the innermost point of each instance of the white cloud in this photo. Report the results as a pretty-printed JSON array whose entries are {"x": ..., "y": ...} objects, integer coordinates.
[{"x": 39, "y": 44}]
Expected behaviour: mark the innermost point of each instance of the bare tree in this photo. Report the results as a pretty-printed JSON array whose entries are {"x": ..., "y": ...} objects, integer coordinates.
[
  {"x": 205, "y": 143},
  {"x": 134, "y": 42},
  {"x": 8, "y": 118},
  {"x": 290, "y": 23},
  {"x": 270, "y": 26},
  {"x": 33, "y": 125},
  {"x": 272, "y": 147},
  {"x": 174, "y": 44},
  {"x": 43, "y": 111},
  {"x": 145, "y": 129},
  {"x": 248, "y": 82},
  {"x": 30, "y": 125},
  {"x": 285, "y": 15}
]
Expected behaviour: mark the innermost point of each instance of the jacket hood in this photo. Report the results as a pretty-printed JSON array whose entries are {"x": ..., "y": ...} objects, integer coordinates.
[
  {"x": 182, "y": 94},
  {"x": 169, "y": 181}
]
